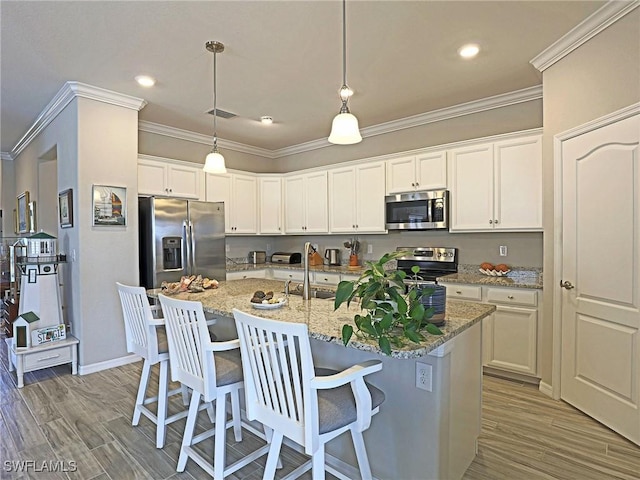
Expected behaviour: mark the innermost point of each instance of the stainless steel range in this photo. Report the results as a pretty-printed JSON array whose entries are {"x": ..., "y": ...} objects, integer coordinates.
[{"x": 434, "y": 262}]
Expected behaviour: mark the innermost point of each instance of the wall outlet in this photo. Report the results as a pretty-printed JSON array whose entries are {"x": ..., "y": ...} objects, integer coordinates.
[
  {"x": 369, "y": 248},
  {"x": 424, "y": 376},
  {"x": 503, "y": 250}
]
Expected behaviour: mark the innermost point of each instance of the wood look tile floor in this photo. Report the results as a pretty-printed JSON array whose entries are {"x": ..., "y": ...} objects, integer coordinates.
[{"x": 58, "y": 417}]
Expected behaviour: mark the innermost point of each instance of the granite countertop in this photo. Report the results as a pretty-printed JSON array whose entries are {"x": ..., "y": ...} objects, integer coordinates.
[
  {"x": 526, "y": 279},
  {"x": 344, "y": 269},
  {"x": 324, "y": 323}
]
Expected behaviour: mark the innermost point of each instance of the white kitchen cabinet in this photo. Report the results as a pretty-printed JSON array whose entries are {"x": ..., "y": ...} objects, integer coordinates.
[
  {"x": 247, "y": 274},
  {"x": 426, "y": 171},
  {"x": 240, "y": 196},
  {"x": 270, "y": 205},
  {"x": 306, "y": 203},
  {"x": 297, "y": 275},
  {"x": 497, "y": 186},
  {"x": 510, "y": 336},
  {"x": 169, "y": 178},
  {"x": 326, "y": 278},
  {"x": 356, "y": 199}
]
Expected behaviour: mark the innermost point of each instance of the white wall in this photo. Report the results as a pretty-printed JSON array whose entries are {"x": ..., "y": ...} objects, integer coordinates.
[{"x": 598, "y": 78}]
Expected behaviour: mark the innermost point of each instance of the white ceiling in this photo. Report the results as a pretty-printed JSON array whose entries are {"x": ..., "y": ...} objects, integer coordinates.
[{"x": 282, "y": 58}]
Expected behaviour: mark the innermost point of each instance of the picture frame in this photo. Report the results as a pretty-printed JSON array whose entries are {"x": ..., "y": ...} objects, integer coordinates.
[
  {"x": 65, "y": 208},
  {"x": 109, "y": 206},
  {"x": 33, "y": 227},
  {"x": 22, "y": 207}
]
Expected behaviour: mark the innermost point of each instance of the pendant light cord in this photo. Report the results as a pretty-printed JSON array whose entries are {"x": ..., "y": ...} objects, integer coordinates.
[
  {"x": 215, "y": 110},
  {"x": 344, "y": 42}
]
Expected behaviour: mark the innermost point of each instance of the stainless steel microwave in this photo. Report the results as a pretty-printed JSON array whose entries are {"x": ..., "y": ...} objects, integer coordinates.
[{"x": 425, "y": 210}]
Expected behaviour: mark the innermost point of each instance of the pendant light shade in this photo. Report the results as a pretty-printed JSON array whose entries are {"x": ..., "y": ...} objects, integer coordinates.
[
  {"x": 345, "y": 129},
  {"x": 214, "y": 163}
]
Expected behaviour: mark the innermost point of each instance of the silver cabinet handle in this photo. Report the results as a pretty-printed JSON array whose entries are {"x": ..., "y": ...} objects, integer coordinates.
[
  {"x": 490, "y": 222},
  {"x": 566, "y": 284},
  {"x": 458, "y": 292},
  {"x": 417, "y": 184},
  {"x": 413, "y": 184},
  {"x": 510, "y": 297},
  {"x": 495, "y": 221}
]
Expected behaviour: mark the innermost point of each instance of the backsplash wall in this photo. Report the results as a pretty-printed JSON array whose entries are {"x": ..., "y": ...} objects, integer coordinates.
[{"x": 523, "y": 249}]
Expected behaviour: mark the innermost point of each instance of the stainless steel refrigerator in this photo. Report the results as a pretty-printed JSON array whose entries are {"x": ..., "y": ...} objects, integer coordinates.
[{"x": 180, "y": 237}]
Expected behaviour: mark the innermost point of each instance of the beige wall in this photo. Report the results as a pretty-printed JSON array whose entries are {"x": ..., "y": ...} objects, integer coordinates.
[
  {"x": 598, "y": 78},
  {"x": 7, "y": 195}
]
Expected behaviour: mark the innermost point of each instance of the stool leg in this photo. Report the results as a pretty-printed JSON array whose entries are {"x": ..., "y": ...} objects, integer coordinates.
[
  {"x": 317, "y": 463},
  {"x": 142, "y": 389},
  {"x": 274, "y": 456},
  {"x": 235, "y": 413},
  {"x": 163, "y": 389},
  {"x": 361, "y": 454},
  {"x": 220, "y": 437},
  {"x": 188, "y": 430}
]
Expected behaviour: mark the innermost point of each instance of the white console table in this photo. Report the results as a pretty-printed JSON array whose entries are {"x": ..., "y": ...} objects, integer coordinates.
[{"x": 42, "y": 356}]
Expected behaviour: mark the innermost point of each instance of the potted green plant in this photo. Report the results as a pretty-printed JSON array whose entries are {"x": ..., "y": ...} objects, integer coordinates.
[{"x": 392, "y": 317}]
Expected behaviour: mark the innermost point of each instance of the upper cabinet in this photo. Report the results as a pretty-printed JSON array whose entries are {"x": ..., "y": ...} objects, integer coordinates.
[
  {"x": 169, "y": 178},
  {"x": 497, "y": 186},
  {"x": 305, "y": 200},
  {"x": 425, "y": 171},
  {"x": 356, "y": 199},
  {"x": 270, "y": 205},
  {"x": 240, "y": 196}
]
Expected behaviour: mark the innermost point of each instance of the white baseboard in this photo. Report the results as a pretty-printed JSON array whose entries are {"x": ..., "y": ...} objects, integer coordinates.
[
  {"x": 546, "y": 389},
  {"x": 107, "y": 364}
]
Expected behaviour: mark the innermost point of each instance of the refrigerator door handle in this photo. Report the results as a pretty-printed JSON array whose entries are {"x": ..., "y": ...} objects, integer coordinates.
[
  {"x": 186, "y": 234},
  {"x": 192, "y": 239}
]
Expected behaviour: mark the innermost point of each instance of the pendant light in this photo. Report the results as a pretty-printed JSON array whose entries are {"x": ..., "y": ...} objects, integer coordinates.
[
  {"x": 214, "y": 163},
  {"x": 344, "y": 129}
]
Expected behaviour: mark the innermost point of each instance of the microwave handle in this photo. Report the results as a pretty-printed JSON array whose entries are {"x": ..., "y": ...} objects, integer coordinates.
[{"x": 430, "y": 210}]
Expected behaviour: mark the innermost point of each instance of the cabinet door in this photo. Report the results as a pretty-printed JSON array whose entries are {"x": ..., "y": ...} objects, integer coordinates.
[
  {"x": 184, "y": 181},
  {"x": 472, "y": 188},
  {"x": 317, "y": 203},
  {"x": 401, "y": 175},
  {"x": 218, "y": 189},
  {"x": 152, "y": 178},
  {"x": 244, "y": 204},
  {"x": 431, "y": 170},
  {"x": 518, "y": 184},
  {"x": 294, "y": 201},
  {"x": 369, "y": 192},
  {"x": 512, "y": 340},
  {"x": 270, "y": 205},
  {"x": 342, "y": 200}
]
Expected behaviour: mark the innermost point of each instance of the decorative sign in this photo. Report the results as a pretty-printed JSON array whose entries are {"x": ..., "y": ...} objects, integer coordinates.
[{"x": 48, "y": 335}]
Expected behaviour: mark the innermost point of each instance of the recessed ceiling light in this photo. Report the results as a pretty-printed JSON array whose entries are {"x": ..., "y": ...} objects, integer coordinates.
[
  {"x": 145, "y": 80},
  {"x": 469, "y": 51},
  {"x": 266, "y": 120}
]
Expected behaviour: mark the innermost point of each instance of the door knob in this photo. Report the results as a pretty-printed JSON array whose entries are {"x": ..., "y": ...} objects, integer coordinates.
[{"x": 566, "y": 284}]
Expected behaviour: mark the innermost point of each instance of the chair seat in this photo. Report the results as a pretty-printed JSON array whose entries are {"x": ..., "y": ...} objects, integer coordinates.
[
  {"x": 228, "y": 367},
  {"x": 337, "y": 406}
]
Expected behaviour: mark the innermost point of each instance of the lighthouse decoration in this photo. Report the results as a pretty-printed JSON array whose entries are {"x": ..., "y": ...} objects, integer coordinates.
[{"x": 39, "y": 285}]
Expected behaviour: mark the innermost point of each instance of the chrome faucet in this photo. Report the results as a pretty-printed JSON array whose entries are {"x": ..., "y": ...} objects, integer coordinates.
[
  {"x": 286, "y": 288},
  {"x": 306, "y": 291}
]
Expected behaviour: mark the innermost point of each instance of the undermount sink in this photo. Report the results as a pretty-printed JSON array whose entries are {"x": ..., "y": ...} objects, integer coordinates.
[{"x": 315, "y": 293}]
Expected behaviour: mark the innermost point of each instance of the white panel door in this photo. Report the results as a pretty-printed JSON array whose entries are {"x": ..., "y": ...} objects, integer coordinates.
[
  {"x": 218, "y": 189},
  {"x": 472, "y": 188},
  {"x": 342, "y": 200},
  {"x": 518, "y": 184},
  {"x": 401, "y": 175},
  {"x": 369, "y": 191},
  {"x": 601, "y": 261},
  {"x": 294, "y": 201},
  {"x": 152, "y": 178},
  {"x": 431, "y": 170},
  {"x": 317, "y": 203},
  {"x": 244, "y": 204},
  {"x": 513, "y": 342},
  {"x": 270, "y": 205},
  {"x": 184, "y": 181}
]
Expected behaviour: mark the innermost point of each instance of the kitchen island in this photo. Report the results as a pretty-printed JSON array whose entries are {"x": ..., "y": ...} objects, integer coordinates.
[{"x": 422, "y": 433}]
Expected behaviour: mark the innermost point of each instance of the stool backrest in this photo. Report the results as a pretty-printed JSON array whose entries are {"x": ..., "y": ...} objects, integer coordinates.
[
  {"x": 140, "y": 334},
  {"x": 190, "y": 350},
  {"x": 278, "y": 366}
]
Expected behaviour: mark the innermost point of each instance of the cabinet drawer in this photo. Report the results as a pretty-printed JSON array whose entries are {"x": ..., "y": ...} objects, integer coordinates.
[
  {"x": 464, "y": 292},
  {"x": 47, "y": 358},
  {"x": 512, "y": 296},
  {"x": 246, "y": 274},
  {"x": 297, "y": 275},
  {"x": 325, "y": 278}
]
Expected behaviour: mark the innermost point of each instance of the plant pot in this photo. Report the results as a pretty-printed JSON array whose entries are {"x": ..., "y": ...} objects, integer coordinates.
[{"x": 437, "y": 300}]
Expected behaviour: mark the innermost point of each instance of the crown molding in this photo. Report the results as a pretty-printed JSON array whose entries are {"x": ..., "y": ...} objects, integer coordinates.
[
  {"x": 5, "y": 156},
  {"x": 65, "y": 95},
  {"x": 181, "y": 134},
  {"x": 584, "y": 31}
]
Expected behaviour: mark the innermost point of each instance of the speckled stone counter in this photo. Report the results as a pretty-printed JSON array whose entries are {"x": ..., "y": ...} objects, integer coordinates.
[
  {"x": 244, "y": 267},
  {"x": 324, "y": 322},
  {"x": 512, "y": 279}
]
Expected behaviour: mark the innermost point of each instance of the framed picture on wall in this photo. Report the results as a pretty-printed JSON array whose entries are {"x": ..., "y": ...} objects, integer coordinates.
[
  {"x": 23, "y": 212},
  {"x": 109, "y": 206},
  {"x": 65, "y": 208}
]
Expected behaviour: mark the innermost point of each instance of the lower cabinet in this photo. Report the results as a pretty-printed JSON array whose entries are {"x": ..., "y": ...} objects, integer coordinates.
[
  {"x": 246, "y": 274},
  {"x": 510, "y": 336}
]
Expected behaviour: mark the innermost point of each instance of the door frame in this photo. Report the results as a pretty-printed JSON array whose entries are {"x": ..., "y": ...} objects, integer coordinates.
[{"x": 558, "y": 140}]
